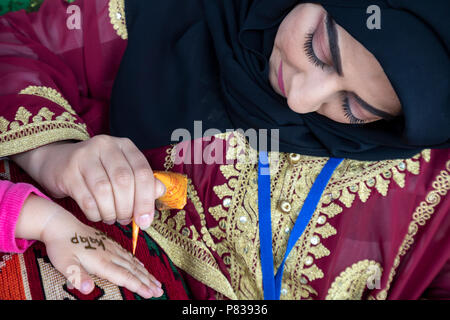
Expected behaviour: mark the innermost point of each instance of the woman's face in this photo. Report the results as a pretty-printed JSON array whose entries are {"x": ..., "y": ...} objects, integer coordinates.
[{"x": 319, "y": 67}]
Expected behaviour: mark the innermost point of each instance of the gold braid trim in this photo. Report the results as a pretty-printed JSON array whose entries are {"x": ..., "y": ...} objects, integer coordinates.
[
  {"x": 192, "y": 257},
  {"x": 29, "y": 131},
  {"x": 49, "y": 94},
  {"x": 117, "y": 17},
  {"x": 423, "y": 212}
]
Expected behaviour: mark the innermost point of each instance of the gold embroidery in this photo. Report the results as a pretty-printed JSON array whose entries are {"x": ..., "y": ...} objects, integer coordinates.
[
  {"x": 22, "y": 134},
  {"x": 188, "y": 249},
  {"x": 49, "y": 94},
  {"x": 169, "y": 159},
  {"x": 117, "y": 17},
  {"x": 353, "y": 281},
  {"x": 352, "y": 180},
  {"x": 423, "y": 212},
  {"x": 191, "y": 255},
  {"x": 237, "y": 219}
]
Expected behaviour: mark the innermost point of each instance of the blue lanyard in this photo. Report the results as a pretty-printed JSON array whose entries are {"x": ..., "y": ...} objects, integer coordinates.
[{"x": 272, "y": 281}]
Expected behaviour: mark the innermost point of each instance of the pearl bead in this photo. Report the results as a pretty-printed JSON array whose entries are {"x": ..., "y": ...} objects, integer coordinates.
[
  {"x": 315, "y": 240},
  {"x": 226, "y": 202},
  {"x": 285, "y": 206}
]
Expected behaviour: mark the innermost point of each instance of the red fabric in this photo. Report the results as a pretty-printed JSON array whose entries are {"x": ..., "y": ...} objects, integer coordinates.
[
  {"x": 373, "y": 230},
  {"x": 38, "y": 49}
]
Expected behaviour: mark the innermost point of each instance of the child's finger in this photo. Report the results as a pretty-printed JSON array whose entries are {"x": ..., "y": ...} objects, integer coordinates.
[
  {"x": 126, "y": 255},
  {"x": 125, "y": 278},
  {"x": 140, "y": 272},
  {"x": 78, "y": 277}
]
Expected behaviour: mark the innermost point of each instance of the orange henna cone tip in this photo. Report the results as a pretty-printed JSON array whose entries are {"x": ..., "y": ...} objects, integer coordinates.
[
  {"x": 174, "y": 198},
  {"x": 135, "y": 233}
]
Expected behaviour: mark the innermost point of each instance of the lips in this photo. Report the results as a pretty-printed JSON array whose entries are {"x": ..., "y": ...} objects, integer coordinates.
[{"x": 280, "y": 78}]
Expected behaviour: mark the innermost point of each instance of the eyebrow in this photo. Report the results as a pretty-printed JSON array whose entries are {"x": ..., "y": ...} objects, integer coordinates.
[
  {"x": 336, "y": 57},
  {"x": 375, "y": 111},
  {"x": 334, "y": 44}
]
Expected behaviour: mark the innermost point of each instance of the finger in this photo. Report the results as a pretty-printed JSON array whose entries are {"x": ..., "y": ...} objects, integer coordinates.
[
  {"x": 125, "y": 278},
  {"x": 79, "y": 191},
  {"x": 77, "y": 276},
  {"x": 147, "y": 188},
  {"x": 97, "y": 182},
  {"x": 140, "y": 272},
  {"x": 126, "y": 255},
  {"x": 121, "y": 177}
]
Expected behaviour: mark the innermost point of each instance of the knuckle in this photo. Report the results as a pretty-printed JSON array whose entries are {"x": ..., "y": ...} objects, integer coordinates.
[
  {"x": 88, "y": 203},
  {"x": 134, "y": 269},
  {"x": 127, "y": 141},
  {"x": 102, "y": 186},
  {"x": 123, "y": 177},
  {"x": 76, "y": 155},
  {"x": 108, "y": 215},
  {"x": 101, "y": 140},
  {"x": 145, "y": 205},
  {"x": 143, "y": 174},
  {"x": 124, "y": 213},
  {"x": 128, "y": 278}
]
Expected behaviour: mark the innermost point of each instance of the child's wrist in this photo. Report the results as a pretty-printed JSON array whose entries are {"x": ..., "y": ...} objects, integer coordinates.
[{"x": 35, "y": 217}]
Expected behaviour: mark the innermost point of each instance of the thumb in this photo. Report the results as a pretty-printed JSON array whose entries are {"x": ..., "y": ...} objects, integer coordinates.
[
  {"x": 160, "y": 189},
  {"x": 78, "y": 277}
]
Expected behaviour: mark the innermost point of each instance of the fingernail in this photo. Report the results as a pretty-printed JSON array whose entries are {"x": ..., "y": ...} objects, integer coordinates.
[
  {"x": 110, "y": 222},
  {"x": 144, "y": 221},
  {"x": 160, "y": 189},
  {"x": 160, "y": 292},
  {"x": 86, "y": 287},
  {"x": 125, "y": 222},
  {"x": 157, "y": 283}
]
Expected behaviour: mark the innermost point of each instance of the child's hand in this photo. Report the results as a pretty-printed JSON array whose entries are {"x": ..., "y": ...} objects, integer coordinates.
[
  {"x": 77, "y": 250},
  {"x": 109, "y": 178}
]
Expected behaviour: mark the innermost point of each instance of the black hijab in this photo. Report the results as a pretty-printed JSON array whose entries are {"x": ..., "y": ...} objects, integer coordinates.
[{"x": 208, "y": 60}]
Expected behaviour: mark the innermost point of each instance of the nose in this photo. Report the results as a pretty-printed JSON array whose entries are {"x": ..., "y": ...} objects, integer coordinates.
[{"x": 310, "y": 90}]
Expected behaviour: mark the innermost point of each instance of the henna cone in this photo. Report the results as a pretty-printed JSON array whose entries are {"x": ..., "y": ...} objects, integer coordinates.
[
  {"x": 174, "y": 198},
  {"x": 135, "y": 233}
]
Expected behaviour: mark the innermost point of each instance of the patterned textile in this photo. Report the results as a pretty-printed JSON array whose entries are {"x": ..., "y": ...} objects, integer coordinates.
[
  {"x": 31, "y": 276},
  {"x": 381, "y": 229}
]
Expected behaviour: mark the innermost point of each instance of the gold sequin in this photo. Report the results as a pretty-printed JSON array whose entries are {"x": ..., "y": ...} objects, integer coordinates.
[{"x": 117, "y": 17}]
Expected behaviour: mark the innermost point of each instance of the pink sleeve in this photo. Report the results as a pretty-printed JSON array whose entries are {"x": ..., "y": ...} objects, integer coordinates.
[{"x": 12, "y": 198}]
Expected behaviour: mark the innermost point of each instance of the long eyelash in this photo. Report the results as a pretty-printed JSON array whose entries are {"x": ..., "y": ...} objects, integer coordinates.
[
  {"x": 309, "y": 50},
  {"x": 348, "y": 112}
]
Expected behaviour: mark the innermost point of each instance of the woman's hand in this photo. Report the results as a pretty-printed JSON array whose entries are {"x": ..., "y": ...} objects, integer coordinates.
[
  {"x": 77, "y": 250},
  {"x": 109, "y": 178}
]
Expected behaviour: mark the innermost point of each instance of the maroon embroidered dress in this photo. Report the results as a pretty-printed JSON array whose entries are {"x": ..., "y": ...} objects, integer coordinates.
[{"x": 381, "y": 230}]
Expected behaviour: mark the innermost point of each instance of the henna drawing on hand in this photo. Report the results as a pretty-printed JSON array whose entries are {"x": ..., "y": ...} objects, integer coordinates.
[{"x": 90, "y": 240}]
